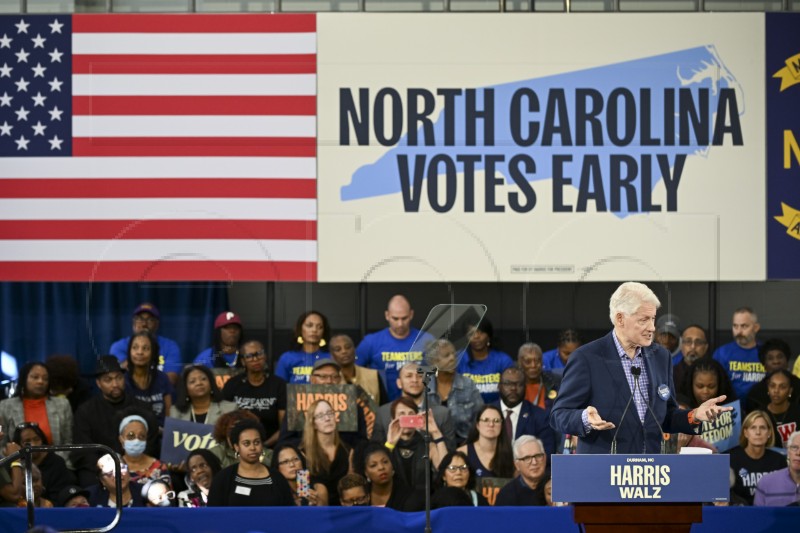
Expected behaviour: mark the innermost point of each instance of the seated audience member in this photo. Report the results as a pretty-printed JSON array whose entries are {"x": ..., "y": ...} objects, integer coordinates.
[
  {"x": 454, "y": 472},
  {"x": 198, "y": 398},
  {"x": 249, "y": 482},
  {"x": 410, "y": 385},
  {"x": 452, "y": 390},
  {"x": 555, "y": 360},
  {"x": 66, "y": 381},
  {"x": 547, "y": 492},
  {"x": 482, "y": 363},
  {"x": 541, "y": 386},
  {"x": 668, "y": 335},
  {"x": 327, "y": 457},
  {"x": 706, "y": 379},
  {"x": 202, "y": 466},
  {"x": 144, "y": 380},
  {"x": 38, "y": 490},
  {"x": 223, "y": 450},
  {"x": 785, "y": 415},
  {"x": 32, "y": 403},
  {"x": 288, "y": 460},
  {"x": 531, "y": 464},
  {"x": 133, "y": 429},
  {"x": 94, "y": 420},
  {"x": 782, "y": 487},
  {"x": 146, "y": 319},
  {"x": 327, "y": 372},
  {"x": 343, "y": 351},
  {"x": 73, "y": 496},
  {"x": 53, "y": 469},
  {"x": 693, "y": 346},
  {"x": 258, "y": 391},
  {"x": 752, "y": 458},
  {"x": 353, "y": 491},
  {"x": 224, "y": 350},
  {"x": 407, "y": 446},
  {"x": 488, "y": 448},
  {"x": 385, "y": 489},
  {"x": 158, "y": 492},
  {"x": 311, "y": 334},
  {"x": 521, "y": 417},
  {"x": 104, "y": 493},
  {"x": 774, "y": 355}
]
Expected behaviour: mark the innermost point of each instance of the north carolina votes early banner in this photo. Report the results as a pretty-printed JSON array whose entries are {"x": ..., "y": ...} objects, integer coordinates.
[
  {"x": 158, "y": 147},
  {"x": 343, "y": 147}
]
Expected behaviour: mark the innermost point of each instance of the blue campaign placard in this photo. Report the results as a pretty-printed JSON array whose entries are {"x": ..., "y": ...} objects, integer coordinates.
[
  {"x": 640, "y": 478},
  {"x": 181, "y": 437}
]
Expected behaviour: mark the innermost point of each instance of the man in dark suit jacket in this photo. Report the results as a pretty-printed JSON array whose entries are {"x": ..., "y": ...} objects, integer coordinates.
[
  {"x": 526, "y": 418},
  {"x": 600, "y": 378}
]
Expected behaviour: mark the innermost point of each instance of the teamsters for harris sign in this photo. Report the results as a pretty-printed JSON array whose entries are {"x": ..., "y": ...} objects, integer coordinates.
[{"x": 585, "y": 146}]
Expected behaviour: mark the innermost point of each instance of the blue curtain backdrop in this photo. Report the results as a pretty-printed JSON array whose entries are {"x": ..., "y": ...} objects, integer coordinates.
[{"x": 83, "y": 319}]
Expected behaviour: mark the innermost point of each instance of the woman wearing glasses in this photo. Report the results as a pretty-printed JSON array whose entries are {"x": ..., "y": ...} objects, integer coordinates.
[
  {"x": 488, "y": 447},
  {"x": 454, "y": 472},
  {"x": 257, "y": 391},
  {"x": 288, "y": 460},
  {"x": 249, "y": 482},
  {"x": 407, "y": 445},
  {"x": 198, "y": 397},
  {"x": 32, "y": 403},
  {"x": 527, "y": 488},
  {"x": 133, "y": 430},
  {"x": 327, "y": 457}
]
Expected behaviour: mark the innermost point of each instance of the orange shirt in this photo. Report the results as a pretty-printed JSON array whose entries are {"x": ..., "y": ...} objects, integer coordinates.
[
  {"x": 36, "y": 411},
  {"x": 535, "y": 393}
]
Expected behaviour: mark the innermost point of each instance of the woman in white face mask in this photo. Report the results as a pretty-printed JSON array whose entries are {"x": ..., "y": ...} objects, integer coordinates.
[{"x": 133, "y": 439}]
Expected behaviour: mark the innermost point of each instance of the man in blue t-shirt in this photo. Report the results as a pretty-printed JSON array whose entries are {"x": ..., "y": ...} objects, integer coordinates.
[
  {"x": 387, "y": 350},
  {"x": 740, "y": 357},
  {"x": 147, "y": 318}
]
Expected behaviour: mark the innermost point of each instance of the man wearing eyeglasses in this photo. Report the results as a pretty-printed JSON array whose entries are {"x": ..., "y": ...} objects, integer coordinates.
[
  {"x": 147, "y": 318},
  {"x": 258, "y": 391},
  {"x": 694, "y": 345},
  {"x": 782, "y": 487},
  {"x": 520, "y": 415},
  {"x": 531, "y": 462}
]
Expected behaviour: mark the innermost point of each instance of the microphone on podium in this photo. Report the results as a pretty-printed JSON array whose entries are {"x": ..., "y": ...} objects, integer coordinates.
[{"x": 636, "y": 372}]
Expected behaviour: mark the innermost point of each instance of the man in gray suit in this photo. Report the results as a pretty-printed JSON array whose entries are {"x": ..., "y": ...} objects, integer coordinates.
[{"x": 409, "y": 381}]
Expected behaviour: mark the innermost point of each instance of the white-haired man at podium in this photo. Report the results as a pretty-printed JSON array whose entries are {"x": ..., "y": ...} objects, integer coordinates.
[{"x": 617, "y": 394}]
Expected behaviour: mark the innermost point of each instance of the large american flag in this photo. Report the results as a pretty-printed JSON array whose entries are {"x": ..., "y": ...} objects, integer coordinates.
[{"x": 158, "y": 147}]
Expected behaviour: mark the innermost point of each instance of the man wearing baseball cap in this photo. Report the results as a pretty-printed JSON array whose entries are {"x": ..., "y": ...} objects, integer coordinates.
[{"x": 146, "y": 317}]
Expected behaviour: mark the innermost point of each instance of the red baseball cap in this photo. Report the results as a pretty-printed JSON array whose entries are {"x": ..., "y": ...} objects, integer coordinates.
[{"x": 228, "y": 317}]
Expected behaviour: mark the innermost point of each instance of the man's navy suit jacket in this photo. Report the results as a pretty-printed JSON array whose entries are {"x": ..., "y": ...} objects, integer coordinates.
[
  {"x": 594, "y": 376},
  {"x": 533, "y": 421}
]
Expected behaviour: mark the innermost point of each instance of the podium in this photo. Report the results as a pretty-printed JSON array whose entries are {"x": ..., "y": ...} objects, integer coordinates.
[{"x": 657, "y": 493}]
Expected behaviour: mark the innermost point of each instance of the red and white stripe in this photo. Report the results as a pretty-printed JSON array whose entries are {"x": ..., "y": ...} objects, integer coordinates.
[{"x": 194, "y": 156}]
